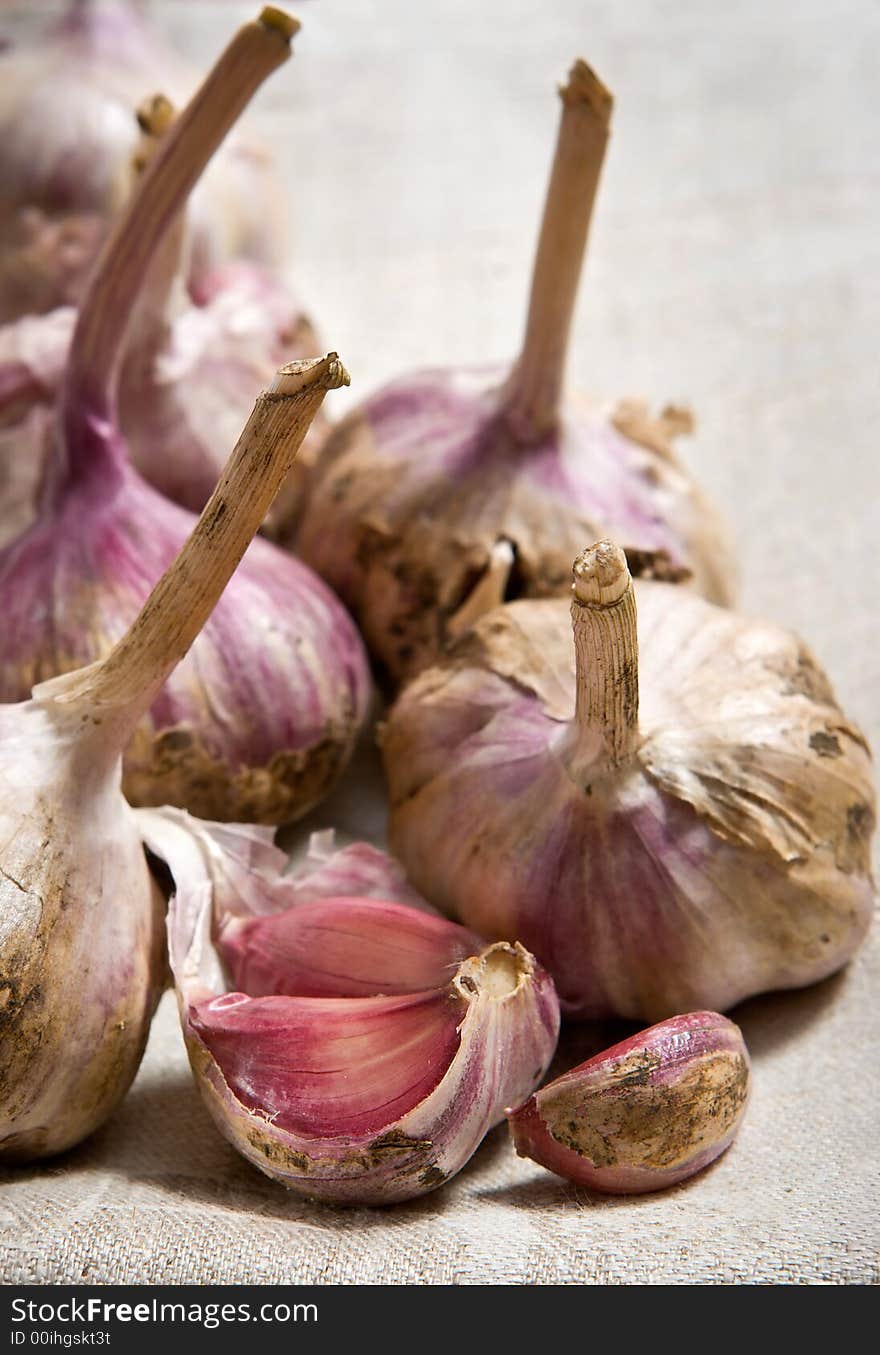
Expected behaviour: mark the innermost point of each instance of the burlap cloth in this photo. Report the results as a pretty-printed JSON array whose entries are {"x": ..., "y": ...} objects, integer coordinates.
[{"x": 734, "y": 262}]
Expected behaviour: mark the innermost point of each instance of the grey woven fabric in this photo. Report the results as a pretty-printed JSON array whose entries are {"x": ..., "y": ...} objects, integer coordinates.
[{"x": 734, "y": 261}]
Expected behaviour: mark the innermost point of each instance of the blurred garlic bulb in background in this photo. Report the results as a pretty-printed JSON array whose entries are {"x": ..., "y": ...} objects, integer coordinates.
[
  {"x": 450, "y": 491},
  {"x": 67, "y": 102}
]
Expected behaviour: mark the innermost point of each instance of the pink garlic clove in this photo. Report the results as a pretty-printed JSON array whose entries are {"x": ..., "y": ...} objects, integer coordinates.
[
  {"x": 418, "y": 487},
  {"x": 391, "y": 1042},
  {"x": 66, "y": 134},
  {"x": 261, "y": 717},
  {"x": 645, "y": 1114},
  {"x": 660, "y": 798},
  {"x": 344, "y": 947}
]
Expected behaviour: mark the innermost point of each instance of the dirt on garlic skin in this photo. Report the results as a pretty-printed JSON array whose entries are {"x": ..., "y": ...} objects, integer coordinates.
[
  {"x": 173, "y": 767},
  {"x": 414, "y": 489}
]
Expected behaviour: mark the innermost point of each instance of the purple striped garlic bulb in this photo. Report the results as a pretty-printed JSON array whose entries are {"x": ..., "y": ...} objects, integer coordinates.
[
  {"x": 355, "y": 1049},
  {"x": 82, "y": 959},
  {"x": 261, "y": 717},
  {"x": 450, "y": 491},
  {"x": 645, "y": 1114},
  {"x": 671, "y": 811},
  {"x": 67, "y": 131}
]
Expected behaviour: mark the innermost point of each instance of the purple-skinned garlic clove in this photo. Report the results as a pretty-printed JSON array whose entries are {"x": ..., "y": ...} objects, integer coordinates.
[
  {"x": 356, "y": 1050},
  {"x": 647, "y": 1113},
  {"x": 67, "y": 130},
  {"x": 82, "y": 959},
  {"x": 423, "y": 488},
  {"x": 659, "y": 797},
  {"x": 260, "y": 719}
]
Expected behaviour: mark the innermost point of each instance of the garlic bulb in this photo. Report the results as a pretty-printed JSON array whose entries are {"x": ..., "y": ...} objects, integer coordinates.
[
  {"x": 670, "y": 820},
  {"x": 260, "y": 719},
  {"x": 66, "y": 134},
  {"x": 356, "y": 1050},
  {"x": 425, "y": 490},
  {"x": 187, "y": 374},
  {"x": 81, "y": 953},
  {"x": 645, "y": 1114}
]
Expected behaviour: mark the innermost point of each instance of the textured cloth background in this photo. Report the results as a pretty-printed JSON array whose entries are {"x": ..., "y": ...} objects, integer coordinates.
[{"x": 734, "y": 262}]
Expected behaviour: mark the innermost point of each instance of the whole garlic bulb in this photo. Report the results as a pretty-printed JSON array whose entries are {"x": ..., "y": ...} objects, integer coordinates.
[
  {"x": 672, "y": 814},
  {"x": 651, "y": 1111},
  {"x": 187, "y": 373},
  {"x": 81, "y": 949},
  {"x": 67, "y": 131},
  {"x": 356, "y": 1050},
  {"x": 448, "y": 491},
  {"x": 260, "y": 719}
]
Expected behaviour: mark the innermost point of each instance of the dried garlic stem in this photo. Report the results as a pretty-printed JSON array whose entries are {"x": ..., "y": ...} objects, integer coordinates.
[
  {"x": 535, "y": 386},
  {"x": 603, "y": 614},
  {"x": 255, "y": 51},
  {"x": 185, "y": 596}
]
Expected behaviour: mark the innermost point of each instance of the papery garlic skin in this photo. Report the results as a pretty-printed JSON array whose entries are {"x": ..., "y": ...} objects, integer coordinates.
[
  {"x": 67, "y": 132},
  {"x": 357, "y": 1125},
  {"x": 82, "y": 946},
  {"x": 418, "y": 488},
  {"x": 415, "y": 487},
  {"x": 649, "y": 1112},
  {"x": 721, "y": 851}
]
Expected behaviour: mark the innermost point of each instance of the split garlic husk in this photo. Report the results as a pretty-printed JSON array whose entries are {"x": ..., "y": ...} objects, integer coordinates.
[
  {"x": 261, "y": 718},
  {"x": 67, "y": 131},
  {"x": 81, "y": 945},
  {"x": 672, "y": 813},
  {"x": 645, "y": 1114},
  {"x": 451, "y": 491},
  {"x": 355, "y": 1049}
]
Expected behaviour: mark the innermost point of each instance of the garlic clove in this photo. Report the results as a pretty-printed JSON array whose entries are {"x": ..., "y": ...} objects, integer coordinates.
[
  {"x": 344, "y": 947},
  {"x": 261, "y": 717},
  {"x": 659, "y": 797},
  {"x": 645, "y": 1114},
  {"x": 66, "y": 133},
  {"x": 348, "y": 1084},
  {"x": 81, "y": 954},
  {"x": 418, "y": 487}
]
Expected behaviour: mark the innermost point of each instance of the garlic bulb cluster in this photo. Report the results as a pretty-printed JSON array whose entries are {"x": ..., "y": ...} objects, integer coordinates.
[
  {"x": 81, "y": 949},
  {"x": 355, "y": 1049},
  {"x": 645, "y": 1114},
  {"x": 66, "y": 134},
  {"x": 260, "y": 718},
  {"x": 671, "y": 811},
  {"x": 448, "y": 490}
]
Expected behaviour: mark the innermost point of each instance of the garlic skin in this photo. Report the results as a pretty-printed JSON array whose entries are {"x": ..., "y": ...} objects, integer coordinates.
[
  {"x": 373, "y": 1046},
  {"x": 260, "y": 719},
  {"x": 417, "y": 487},
  {"x": 647, "y": 1113},
  {"x": 672, "y": 812},
  {"x": 67, "y": 131},
  {"x": 81, "y": 954}
]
